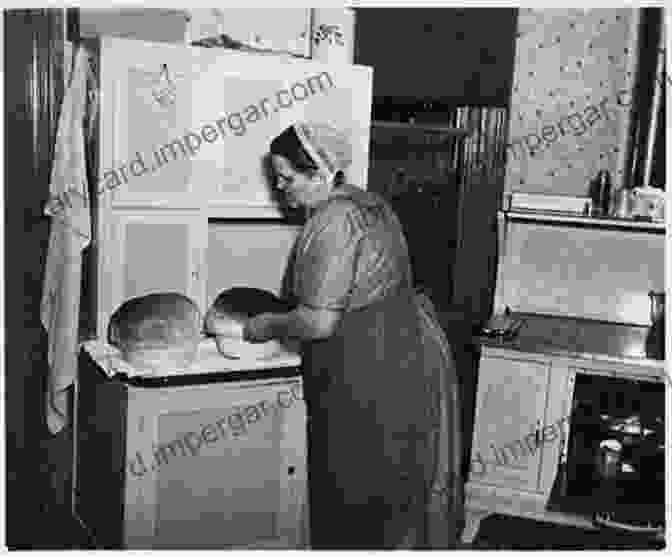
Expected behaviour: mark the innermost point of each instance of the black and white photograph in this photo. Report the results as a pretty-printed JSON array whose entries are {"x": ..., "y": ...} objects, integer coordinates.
[{"x": 373, "y": 276}]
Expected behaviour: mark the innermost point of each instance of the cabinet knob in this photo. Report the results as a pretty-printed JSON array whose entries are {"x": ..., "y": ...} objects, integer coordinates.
[{"x": 291, "y": 470}]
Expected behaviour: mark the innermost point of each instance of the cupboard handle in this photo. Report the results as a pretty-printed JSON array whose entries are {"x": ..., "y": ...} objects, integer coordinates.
[{"x": 291, "y": 470}]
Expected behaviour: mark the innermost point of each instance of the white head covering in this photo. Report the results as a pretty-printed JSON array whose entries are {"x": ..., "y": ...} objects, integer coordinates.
[{"x": 327, "y": 146}]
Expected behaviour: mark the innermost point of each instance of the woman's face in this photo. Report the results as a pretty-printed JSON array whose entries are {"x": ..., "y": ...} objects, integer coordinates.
[{"x": 300, "y": 189}]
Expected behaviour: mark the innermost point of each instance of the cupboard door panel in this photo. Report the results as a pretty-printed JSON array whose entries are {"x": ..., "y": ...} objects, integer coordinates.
[
  {"x": 185, "y": 126},
  {"x": 145, "y": 117},
  {"x": 248, "y": 254},
  {"x": 159, "y": 251},
  {"x": 246, "y": 101},
  {"x": 510, "y": 410},
  {"x": 238, "y": 487}
]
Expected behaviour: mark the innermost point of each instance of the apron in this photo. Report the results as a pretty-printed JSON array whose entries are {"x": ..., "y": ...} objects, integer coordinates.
[{"x": 370, "y": 417}]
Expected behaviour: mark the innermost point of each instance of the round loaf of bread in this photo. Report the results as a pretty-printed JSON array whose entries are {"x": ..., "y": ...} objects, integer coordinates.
[
  {"x": 226, "y": 317},
  {"x": 157, "y": 332}
]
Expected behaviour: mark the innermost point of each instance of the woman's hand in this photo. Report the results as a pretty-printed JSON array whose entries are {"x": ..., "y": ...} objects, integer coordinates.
[{"x": 302, "y": 323}]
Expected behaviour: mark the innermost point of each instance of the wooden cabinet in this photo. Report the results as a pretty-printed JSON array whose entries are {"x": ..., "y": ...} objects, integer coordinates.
[
  {"x": 198, "y": 466},
  {"x": 148, "y": 251},
  {"x": 184, "y": 133},
  {"x": 188, "y": 127},
  {"x": 155, "y": 24},
  {"x": 277, "y": 29}
]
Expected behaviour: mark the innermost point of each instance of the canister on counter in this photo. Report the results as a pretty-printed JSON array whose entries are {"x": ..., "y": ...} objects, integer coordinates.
[
  {"x": 621, "y": 203},
  {"x": 600, "y": 194},
  {"x": 608, "y": 459}
]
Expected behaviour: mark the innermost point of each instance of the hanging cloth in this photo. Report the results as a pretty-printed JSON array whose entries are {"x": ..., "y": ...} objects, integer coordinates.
[{"x": 70, "y": 233}]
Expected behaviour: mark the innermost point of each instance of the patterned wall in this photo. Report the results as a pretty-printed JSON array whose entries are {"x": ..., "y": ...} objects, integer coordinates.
[{"x": 574, "y": 69}]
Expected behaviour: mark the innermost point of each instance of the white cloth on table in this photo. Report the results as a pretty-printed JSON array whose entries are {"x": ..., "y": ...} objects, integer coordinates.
[{"x": 109, "y": 358}]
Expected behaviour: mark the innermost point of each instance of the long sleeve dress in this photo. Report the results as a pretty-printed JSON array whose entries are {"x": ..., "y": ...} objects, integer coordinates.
[{"x": 372, "y": 408}]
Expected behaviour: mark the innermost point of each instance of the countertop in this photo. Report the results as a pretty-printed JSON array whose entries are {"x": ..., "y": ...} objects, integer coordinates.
[
  {"x": 584, "y": 339},
  {"x": 209, "y": 366}
]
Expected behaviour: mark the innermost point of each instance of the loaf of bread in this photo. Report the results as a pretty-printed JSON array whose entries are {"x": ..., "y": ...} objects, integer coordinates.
[
  {"x": 226, "y": 317},
  {"x": 157, "y": 330},
  {"x": 238, "y": 304}
]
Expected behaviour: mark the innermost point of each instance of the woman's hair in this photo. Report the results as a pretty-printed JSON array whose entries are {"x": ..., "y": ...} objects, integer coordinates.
[{"x": 288, "y": 145}]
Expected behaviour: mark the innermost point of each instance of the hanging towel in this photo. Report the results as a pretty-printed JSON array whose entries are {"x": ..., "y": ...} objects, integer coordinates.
[{"x": 70, "y": 233}]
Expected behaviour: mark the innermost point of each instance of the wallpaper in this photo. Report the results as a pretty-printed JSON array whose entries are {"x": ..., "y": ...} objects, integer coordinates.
[{"x": 574, "y": 70}]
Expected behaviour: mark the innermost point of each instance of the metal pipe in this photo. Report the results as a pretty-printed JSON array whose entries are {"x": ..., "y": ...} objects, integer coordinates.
[{"x": 655, "y": 108}]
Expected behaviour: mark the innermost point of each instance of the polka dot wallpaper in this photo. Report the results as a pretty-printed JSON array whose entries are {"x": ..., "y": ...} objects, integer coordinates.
[{"x": 574, "y": 70}]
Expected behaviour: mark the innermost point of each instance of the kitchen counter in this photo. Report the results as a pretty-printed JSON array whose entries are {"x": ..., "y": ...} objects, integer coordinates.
[
  {"x": 210, "y": 366},
  {"x": 583, "y": 339}
]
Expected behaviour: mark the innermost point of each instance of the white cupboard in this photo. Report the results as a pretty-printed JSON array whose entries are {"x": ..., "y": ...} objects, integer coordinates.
[
  {"x": 183, "y": 191},
  {"x": 215, "y": 465},
  {"x": 192, "y": 125},
  {"x": 184, "y": 133}
]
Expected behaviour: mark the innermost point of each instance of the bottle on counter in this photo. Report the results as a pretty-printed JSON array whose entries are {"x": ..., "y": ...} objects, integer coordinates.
[
  {"x": 600, "y": 194},
  {"x": 605, "y": 191},
  {"x": 621, "y": 203}
]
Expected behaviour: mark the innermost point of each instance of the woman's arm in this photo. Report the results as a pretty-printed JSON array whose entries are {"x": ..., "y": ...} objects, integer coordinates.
[{"x": 303, "y": 323}]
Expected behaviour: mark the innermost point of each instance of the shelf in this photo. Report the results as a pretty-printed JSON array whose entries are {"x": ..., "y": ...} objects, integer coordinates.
[
  {"x": 426, "y": 128},
  {"x": 560, "y": 217}
]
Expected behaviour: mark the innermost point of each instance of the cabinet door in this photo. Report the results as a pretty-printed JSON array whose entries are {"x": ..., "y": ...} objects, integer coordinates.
[
  {"x": 187, "y": 127},
  {"x": 277, "y": 29},
  {"x": 510, "y": 410},
  {"x": 155, "y": 251},
  {"x": 224, "y": 468},
  {"x": 242, "y": 102},
  {"x": 145, "y": 119}
]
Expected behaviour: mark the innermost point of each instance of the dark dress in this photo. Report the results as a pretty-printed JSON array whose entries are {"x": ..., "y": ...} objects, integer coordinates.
[{"x": 371, "y": 409}]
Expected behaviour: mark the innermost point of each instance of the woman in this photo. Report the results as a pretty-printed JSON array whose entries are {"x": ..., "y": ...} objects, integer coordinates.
[{"x": 372, "y": 409}]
